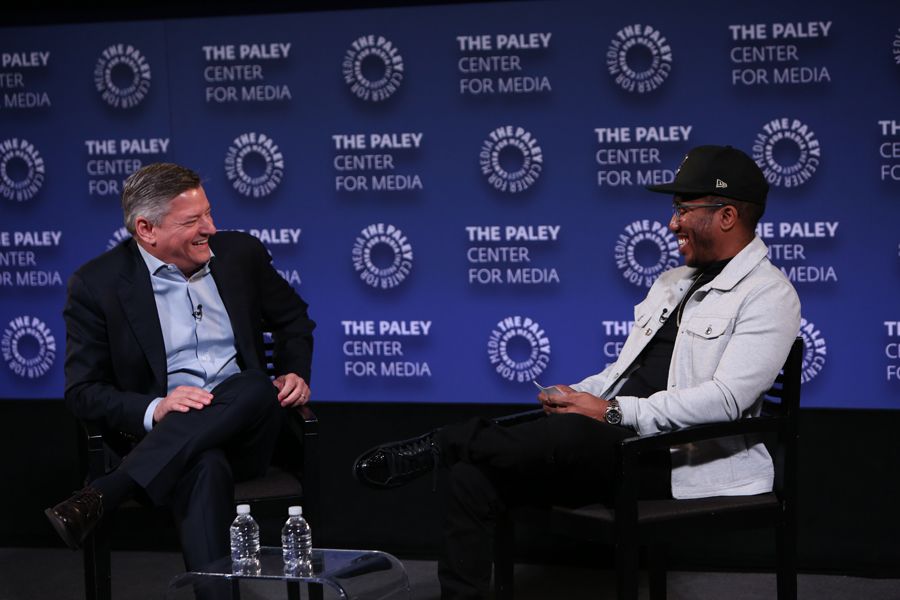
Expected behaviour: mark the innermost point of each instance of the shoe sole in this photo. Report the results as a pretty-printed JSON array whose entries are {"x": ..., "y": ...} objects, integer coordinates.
[{"x": 62, "y": 530}]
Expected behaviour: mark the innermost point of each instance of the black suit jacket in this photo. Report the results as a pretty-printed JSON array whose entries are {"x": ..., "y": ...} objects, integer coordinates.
[{"x": 115, "y": 355}]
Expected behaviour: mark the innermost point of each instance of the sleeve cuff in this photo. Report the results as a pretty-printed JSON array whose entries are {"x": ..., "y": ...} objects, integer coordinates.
[
  {"x": 148, "y": 414},
  {"x": 628, "y": 406}
]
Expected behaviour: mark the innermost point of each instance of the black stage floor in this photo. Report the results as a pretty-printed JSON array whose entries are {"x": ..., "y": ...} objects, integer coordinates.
[{"x": 55, "y": 574}]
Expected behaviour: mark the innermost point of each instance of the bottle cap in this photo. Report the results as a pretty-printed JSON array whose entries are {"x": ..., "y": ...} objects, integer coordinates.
[
  {"x": 243, "y": 509},
  {"x": 295, "y": 511}
]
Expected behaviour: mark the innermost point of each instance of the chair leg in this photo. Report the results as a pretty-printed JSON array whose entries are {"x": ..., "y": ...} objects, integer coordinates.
[
  {"x": 316, "y": 591},
  {"x": 656, "y": 567},
  {"x": 96, "y": 554},
  {"x": 786, "y": 548},
  {"x": 504, "y": 535},
  {"x": 627, "y": 569}
]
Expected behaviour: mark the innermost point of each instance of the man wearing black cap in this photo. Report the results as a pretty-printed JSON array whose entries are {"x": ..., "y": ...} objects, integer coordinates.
[{"x": 707, "y": 341}]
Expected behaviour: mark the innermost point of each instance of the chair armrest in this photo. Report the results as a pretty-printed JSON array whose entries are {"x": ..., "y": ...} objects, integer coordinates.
[
  {"x": 626, "y": 494},
  {"x": 299, "y": 440},
  {"x": 306, "y": 423},
  {"x": 757, "y": 425}
]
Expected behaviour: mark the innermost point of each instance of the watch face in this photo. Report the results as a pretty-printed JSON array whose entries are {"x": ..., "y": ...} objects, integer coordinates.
[{"x": 613, "y": 416}]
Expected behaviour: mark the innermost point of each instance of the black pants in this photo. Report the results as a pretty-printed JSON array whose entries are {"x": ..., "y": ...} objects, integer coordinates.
[
  {"x": 560, "y": 459},
  {"x": 190, "y": 461}
]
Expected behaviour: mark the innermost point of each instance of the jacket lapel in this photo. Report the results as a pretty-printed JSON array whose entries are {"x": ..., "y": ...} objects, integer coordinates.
[
  {"x": 228, "y": 284},
  {"x": 136, "y": 295}
]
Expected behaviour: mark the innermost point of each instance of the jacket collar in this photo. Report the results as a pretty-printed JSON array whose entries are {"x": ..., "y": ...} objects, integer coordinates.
[{"x": 740, "y": 266}]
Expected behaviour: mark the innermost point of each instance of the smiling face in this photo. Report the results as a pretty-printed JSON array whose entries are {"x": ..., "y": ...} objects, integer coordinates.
[
  {"x": 698, "y": 230},
  {"x": 182, "y": 236}
]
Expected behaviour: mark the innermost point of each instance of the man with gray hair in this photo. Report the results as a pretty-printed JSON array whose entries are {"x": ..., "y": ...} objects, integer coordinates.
[{"x": 164, "y": 347}]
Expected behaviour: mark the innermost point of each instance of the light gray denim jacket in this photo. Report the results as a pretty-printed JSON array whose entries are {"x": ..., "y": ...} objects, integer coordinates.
[{"x": 734, "y": 335}]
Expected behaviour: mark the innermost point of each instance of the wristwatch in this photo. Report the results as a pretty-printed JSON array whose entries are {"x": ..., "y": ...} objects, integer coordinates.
[{"x": 613, "y": 412}]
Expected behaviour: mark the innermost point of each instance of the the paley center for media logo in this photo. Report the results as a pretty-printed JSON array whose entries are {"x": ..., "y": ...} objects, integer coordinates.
[
  {"x": 373, "y": 68},
  {"x": 518, "y": 348},
  {"x": 28, "y": 347},
  {"x": 787, "y": 151},
  {"x": 122, "y": 76},
  {"x": 254, "y": 165},
  {"x": 815, "y": 350},
  {"x": 21, "y": 170},
  {"x": 639, "y": 58},
  {"x": 644, "y": 250},
  {"x": 382, "y": 256},
  {"x": 511, "y": 159}
]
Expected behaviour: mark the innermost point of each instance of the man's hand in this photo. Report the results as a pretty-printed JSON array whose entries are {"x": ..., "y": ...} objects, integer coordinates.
[
  {"x": 292, "y": 390},
  {"x": 182, "y": 399},
  {"x": 571, "y": 401}
]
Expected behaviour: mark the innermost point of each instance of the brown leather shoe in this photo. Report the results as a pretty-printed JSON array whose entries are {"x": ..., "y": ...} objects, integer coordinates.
[{"x": 73, "y": 519}]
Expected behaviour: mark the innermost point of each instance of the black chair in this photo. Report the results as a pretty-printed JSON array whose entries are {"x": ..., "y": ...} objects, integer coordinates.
[
  {"x": 292, "y": 478},
  {"x": 629, "y": 523}
]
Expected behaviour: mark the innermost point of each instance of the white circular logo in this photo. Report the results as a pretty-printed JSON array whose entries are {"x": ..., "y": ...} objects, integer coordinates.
[
  {"x": 119, "y": 235},
  {"x": 28, "y": 347},
  {"x": 787, "y": 151},
  {"x": 21, "y": 170},
  {"x": 644, "y": 251},
  {"x": 382, "y": 256},
  {"x": 254, "y": 165},
  {"x": 639, "y": 58},
  {"x": 511, "y": 159},
  {"x": 519, "y": 349},
  {"x": 122, "y": 76},
  {"x": 814, "y": 350},
  {"x": 382, "y": 74}
]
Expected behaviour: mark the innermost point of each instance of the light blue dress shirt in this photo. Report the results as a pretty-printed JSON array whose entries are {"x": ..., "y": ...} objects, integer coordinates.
[{"x": 199, "y": 341}]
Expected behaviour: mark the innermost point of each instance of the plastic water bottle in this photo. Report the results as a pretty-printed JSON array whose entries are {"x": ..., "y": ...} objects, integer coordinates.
[
  {"x": 296, "y": 543},
  {"x": 244, "y": 540}
]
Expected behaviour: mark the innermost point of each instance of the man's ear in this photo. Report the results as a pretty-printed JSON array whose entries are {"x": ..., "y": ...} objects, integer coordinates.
[
  {"x": 728, "y": 217},
  {"x": 145, "y": 231}
]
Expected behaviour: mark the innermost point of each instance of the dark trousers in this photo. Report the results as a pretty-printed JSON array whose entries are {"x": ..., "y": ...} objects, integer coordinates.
[
  {"x": 190, "y": 461},
  {"x": 560, "y": 459}
]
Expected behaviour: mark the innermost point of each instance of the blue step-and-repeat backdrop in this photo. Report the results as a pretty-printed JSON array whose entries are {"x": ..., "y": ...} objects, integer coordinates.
[{"x": 457, "y": 191}]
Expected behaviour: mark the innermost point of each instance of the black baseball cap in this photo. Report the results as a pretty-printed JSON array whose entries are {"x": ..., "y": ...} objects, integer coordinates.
[{"x": 718, "y": 171}]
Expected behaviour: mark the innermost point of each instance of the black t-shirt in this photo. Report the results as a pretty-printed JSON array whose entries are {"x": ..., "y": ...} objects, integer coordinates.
[{"x": 652, "y": 374}]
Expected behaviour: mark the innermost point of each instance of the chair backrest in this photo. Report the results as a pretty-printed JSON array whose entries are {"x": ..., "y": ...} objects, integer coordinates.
[
  {"x": 783, "y": 398},
  {"x": 783, "y": 401},
  {"x": 288, "y": 451},
  {"x": 269, "y": 351}
]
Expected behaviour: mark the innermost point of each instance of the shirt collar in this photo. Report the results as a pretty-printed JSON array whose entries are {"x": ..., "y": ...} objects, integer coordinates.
[{"x": 154, "y": 265}]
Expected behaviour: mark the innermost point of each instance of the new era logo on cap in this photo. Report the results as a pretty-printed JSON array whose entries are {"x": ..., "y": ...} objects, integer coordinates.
[{"x": 720, "y": 184}]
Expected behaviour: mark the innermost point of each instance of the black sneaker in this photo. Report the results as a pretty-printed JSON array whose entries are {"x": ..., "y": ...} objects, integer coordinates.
[{"x": 392, "y": 465}]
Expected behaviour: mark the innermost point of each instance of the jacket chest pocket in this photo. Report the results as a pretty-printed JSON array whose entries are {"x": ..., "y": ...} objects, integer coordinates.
[{"x": 709, "y": 335}]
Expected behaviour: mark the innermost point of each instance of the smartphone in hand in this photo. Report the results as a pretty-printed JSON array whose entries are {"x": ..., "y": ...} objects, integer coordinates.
[{"x": 550, "y": 390}]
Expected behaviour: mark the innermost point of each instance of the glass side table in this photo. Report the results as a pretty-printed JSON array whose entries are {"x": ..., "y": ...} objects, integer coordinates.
[{"x": 346, "y": 574}]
